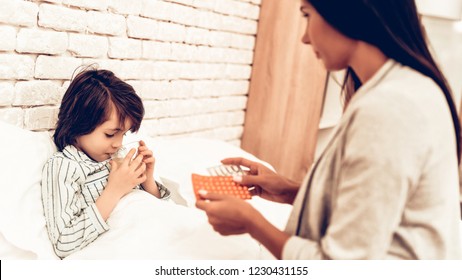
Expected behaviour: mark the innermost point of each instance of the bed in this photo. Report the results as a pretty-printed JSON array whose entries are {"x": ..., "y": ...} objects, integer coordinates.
[{"x": 141, "y": 227}]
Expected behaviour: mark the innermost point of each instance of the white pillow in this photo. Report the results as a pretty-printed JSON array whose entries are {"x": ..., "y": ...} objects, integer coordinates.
[
  {"x": 22, "y": 223},
  {"x": 9, "y": 251}
]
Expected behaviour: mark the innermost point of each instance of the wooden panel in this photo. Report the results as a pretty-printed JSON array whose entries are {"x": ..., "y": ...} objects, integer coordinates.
[
  {"x": 286, "y": 92},
  {"x": 460, "y": 166}
]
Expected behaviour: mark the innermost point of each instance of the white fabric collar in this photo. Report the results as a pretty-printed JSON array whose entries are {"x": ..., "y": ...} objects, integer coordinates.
[{"x": 72, "y": 152}]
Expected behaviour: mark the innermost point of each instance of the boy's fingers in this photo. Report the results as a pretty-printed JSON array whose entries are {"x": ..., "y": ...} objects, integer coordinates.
[
  {"x": 113, "y": 164},
  {"x": 146, "y": 153},
  {"x": 129, "y": 156},
  {"x": 141, "y": 179},
  {"x": 137, "y": 160},
  {"x": 149, "y": 160},
  {"x": 140, "y": 170}
]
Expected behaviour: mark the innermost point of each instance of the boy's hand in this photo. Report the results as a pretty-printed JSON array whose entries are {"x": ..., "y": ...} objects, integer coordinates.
[
  {"x": 124, "y": 176},
  {"x": 127, "y": 174},
  {"x": 148, "y": 159}
]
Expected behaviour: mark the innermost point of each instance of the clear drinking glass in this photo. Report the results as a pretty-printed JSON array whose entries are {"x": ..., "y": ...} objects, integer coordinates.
[{"x": 123, "y": 151}]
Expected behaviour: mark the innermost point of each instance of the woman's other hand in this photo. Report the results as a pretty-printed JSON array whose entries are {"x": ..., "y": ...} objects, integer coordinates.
[{"x": 228, "y": 215}]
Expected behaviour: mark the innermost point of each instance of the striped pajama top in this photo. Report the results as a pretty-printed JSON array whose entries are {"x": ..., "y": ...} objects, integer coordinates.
[{"x": 71, "y": 184}]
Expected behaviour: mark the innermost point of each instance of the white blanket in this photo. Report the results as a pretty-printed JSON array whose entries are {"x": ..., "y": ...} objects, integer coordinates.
[{"x": 143, "y": 227}]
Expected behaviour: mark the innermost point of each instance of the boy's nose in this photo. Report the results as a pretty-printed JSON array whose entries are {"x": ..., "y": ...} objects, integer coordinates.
[{"x": 117, "y": 144}]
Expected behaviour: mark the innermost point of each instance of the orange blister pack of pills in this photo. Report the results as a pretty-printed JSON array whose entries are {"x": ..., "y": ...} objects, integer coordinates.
[{"x": 219, "y": 184}]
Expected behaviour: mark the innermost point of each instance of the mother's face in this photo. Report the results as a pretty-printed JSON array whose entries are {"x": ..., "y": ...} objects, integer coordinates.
[{"x": 332, "y": 47}]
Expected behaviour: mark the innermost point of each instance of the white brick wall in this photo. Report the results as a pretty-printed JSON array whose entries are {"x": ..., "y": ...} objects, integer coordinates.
[
  {"x": 18, "y": 13},
  {"x": 37, "y": 93},
  {"x": 189, "y": 60},
  {"x": 41, "y": 41},
  {"x": 90, "y": 4},
  {"x": 62, "y": 18},
  {"x": 6, "y": 93},
  {"x": 124, "y": 48},
  {"x": 15, "y": 66},
  {"x": 124, "y": 7},
  {"x": 12, "y": 115},
  {"x": 8, "y": 35},
  {"x": 81, "y": 45}
]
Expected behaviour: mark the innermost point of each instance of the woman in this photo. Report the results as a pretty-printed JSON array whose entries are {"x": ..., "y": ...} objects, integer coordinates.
[{"x": 386, "y": 186}]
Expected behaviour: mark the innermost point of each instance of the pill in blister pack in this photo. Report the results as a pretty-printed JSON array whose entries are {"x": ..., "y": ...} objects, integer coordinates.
[
  {"x": 225, "y": 170},
  {"x": 219, "y": 184}
]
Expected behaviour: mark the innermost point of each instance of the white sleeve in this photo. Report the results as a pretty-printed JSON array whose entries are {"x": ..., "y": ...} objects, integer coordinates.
[{"x": 297, "y": 248}]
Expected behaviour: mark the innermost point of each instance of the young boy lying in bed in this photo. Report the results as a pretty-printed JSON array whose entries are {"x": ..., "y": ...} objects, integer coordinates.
[{"x": 81, "y": 185}]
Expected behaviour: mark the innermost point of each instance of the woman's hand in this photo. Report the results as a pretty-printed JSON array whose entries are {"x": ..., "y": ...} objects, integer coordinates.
[
  {"x": 228, "y": 215},
  {"x": 268, "y": 184}
]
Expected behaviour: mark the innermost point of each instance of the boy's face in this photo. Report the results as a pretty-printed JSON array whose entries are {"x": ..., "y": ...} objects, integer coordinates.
[{"x": 105, "y": 139}]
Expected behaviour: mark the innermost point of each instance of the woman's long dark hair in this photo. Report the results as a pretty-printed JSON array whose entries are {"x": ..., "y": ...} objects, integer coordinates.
[
  {"x": 394, "y": 27},
  {"x": 89, "y": 101}
]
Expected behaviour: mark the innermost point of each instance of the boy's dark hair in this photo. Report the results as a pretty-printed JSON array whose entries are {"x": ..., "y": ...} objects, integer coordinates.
[{"x": 89, "y": 101}]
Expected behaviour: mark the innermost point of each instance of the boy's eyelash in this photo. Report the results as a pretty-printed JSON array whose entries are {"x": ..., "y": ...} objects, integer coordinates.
[{"x": 112, "y": 135}]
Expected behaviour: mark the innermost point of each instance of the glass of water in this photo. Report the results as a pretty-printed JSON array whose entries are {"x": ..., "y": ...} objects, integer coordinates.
[{"x": 123, "y": 151}]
